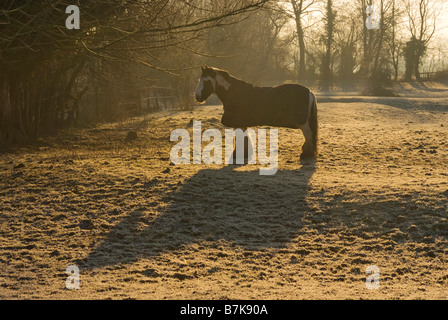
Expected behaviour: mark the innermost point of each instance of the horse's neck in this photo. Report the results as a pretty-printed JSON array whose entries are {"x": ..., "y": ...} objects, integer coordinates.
[{"x": 235, "y": 86}]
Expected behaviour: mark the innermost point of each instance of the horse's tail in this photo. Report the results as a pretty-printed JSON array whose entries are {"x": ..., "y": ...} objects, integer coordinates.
[{"x": 313, "y": 122}]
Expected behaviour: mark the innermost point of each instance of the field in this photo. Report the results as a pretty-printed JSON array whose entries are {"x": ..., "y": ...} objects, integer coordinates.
[{"x": 139, "y": 227}]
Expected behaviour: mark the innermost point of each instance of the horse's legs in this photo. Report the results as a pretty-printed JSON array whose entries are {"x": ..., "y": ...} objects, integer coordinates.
[
  {"x": 248, "y": 151},
  {"x": 308, "y": 146}
]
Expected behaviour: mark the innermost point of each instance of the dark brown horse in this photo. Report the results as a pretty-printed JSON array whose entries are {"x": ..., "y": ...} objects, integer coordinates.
[{"x": 245, "y": 105}]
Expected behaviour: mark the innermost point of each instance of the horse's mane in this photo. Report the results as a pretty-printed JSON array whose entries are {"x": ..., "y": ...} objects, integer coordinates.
[{"x": 231, "y": 78}]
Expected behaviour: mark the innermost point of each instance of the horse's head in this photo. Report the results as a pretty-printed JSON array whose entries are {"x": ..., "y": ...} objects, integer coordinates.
[{"x": 207, "y": 84}]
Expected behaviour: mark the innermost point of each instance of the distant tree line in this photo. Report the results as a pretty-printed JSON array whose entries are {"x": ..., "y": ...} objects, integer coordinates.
[{"x": 337, "y": 46}]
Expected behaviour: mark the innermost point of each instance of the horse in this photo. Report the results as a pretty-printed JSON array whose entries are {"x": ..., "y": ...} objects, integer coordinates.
[{"x": 246, "y": 105}]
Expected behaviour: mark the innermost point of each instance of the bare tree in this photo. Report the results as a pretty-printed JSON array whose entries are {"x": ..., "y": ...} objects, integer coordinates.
[
  {"x": 254, "y": 48},
  {"x": 300, "y": 8},
  {"x": 422, "y": 16},
  {"x": 395, "y": 45},
  {"x": 326, "y": 74},
  {"x": 46, "y": 70},
  {"x": 347, "y": 40}
]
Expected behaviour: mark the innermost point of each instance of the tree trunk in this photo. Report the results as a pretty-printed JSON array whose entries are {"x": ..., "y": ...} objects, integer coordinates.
[
  {"x": 326, "y": 64},
  {"x": 298, "y": 11},
  {"x": 380, "y": 40},
  {"x": 417, "y": 67}
]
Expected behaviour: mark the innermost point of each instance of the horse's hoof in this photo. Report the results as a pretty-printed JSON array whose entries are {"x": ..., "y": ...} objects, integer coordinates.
[{"x": 307, "y": 155}]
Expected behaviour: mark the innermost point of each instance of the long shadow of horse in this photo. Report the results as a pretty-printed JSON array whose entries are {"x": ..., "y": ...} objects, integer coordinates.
[{"x": 240, "y": 207}]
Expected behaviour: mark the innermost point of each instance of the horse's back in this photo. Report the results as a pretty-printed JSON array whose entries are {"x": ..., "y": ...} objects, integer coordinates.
[{"x": 286, "y": 105}]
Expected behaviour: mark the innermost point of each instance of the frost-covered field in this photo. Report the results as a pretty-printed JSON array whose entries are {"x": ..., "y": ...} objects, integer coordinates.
[{"x": 139, "y": 227}]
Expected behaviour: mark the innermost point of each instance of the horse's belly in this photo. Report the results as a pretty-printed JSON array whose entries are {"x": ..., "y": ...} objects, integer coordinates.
[
  {"x": 285, "y": 106},
  {"x": 273, "y": 119}
]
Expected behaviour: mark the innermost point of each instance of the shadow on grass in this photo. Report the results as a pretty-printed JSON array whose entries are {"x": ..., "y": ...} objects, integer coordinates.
[{"x": 240, "y": 207}]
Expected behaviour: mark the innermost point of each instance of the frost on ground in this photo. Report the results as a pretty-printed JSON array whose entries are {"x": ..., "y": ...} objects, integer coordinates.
[{"x": 139, "y": 227}]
